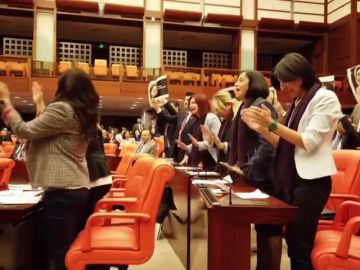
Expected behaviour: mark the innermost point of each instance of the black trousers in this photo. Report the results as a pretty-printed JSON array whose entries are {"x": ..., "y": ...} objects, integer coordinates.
[
  {"x": 310, "y": 197},
  {"x": 63, "y": 215}
]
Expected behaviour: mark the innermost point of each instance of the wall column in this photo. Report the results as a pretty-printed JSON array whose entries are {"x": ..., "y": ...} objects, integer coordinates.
[
  {"x": 248, "y": 36},
  {"x": 44, "y": 40},
  {"x": 153, "y": 36}
]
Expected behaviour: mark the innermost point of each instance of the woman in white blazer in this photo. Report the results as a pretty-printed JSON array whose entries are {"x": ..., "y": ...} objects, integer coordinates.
[{"x": 304, "y": 162}]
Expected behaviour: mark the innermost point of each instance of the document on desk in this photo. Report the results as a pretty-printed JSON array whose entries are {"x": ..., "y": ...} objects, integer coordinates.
[
  {"x": 20, "y": 196},
  {"x": 202, "y": 173},
  {"x": 257, "y": 194}
]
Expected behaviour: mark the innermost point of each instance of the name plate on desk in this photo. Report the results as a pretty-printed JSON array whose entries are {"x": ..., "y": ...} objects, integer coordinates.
[{"x": 238, "y": 201}]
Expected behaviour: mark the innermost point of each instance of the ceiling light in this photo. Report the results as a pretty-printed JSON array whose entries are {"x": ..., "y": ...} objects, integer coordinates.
[
  {"x": 24, "y": 101},
  {"x": 17, "y": 97},
  {"x": 31, "y": 104},
  {"x": 139, "y": 98}
]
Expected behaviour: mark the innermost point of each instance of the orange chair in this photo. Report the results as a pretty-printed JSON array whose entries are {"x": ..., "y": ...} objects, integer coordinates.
[
  {"x": 128, "y": 149},
  {"x": 110, "y": 149},
  {"x": 338, "y": 248},
  {"x": 120, "y": 175},
  {"x": 131, "y": 72},
  {"x": 84, "y": 66},
  {"x": 5, "y": 143},
  {"x": 100, "y": 67},
  {"x": 345, "y": 184},
  {"x": 160, "y": 146},
  {"x": 114, "y": 244},
  {"x": 64, "y": 66},
  {"x": 6, "y": 167}
]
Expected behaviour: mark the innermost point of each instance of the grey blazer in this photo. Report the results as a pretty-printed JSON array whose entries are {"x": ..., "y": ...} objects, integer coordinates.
[
  {"x": 56, "y": 156},
  {"x": 149, "y": 147}
]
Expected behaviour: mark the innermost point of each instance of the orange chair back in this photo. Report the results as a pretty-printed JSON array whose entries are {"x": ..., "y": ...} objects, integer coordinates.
[
  {"x": 121, "y": 243},
  {"x": 8, "y": 149},
  {"x": 127, "y": 162},
  {"x": 6, "y": 167},
  {"x": 128, "y": 149},
  {"x": 110, "y": 149},
  {"x": 160, "y": 146},
  {"x": 338, "y": 247},
  {"x": 347, "y": 180}
]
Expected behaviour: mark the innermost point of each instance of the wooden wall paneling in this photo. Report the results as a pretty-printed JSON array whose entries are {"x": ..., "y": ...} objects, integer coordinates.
[
  {"x": 107, "y": 88},
  {"x": 16, "y": 84},
  {"x": 236, "y": 49},
  {"x": 358, "y": 39},
  {"x": 339, "y": 48}
]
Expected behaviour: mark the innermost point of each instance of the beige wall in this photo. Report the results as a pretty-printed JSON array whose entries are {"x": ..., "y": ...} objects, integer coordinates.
[{"x": 338, "y": 9}]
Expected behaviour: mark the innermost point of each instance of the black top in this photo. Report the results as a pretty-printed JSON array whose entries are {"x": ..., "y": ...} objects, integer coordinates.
[{"x": 95, "y": 158}]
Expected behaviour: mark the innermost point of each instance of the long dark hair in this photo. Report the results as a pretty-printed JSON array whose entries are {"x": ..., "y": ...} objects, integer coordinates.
[
  {"x": 76, "y": 88},
  {"x": 294, "y": 66},
  {"x": 257, "y": 85}
]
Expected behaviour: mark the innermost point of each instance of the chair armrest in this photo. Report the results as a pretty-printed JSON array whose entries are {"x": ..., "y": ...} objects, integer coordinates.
[
  {"x": 120, "y": 176},
  {"x": 115, "y": 190},
  {"x": 108, "y": 203},
  {"x": 119, "y": 182},
  {"x": 339, "y": 217},
  {"x": 344, "y": 197},
  {"x": 94, "y": 218},
  {"x": 351, "y": 227}
]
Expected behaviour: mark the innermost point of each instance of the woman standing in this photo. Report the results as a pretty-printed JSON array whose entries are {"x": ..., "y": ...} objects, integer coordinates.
[
  {"x": 200, "y": 151},
  {"x": 56, "y": 157},
  {"x": 254, "y": 157},
  {"x": 304, "y": 160}
]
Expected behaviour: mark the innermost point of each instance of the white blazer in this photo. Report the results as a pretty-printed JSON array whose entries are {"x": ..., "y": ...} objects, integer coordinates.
[{"x": 317, "y": 127}]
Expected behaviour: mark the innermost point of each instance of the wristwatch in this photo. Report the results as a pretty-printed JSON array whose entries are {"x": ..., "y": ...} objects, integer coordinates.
[{"x": 273, "y": 126}]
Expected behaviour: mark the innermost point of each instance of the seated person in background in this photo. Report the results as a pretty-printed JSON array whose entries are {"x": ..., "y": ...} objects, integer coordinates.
[
  {"x": 5, "y": 135},
  {"x": 148, "y": 144},
  {"x": 355, "y": 117},
  {"x": 137, "y": 135},
  {"x": 346, "y": 136},
  {"x": 126, "y": 139},
  {"x": 19, "y": 152}
]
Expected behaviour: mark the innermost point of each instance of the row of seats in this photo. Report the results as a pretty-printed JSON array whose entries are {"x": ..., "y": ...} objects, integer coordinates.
[
  {"x": 113, "y": 237},
  {"x": 215, "y": 79},
  {"x": 110, "y": 149},
  {"x": 9, "y": 68},
  {"x": 100, "y": 69}
]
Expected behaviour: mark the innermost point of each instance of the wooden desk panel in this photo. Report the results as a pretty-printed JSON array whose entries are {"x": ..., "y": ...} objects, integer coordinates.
[{"x": 217, "y": 237}]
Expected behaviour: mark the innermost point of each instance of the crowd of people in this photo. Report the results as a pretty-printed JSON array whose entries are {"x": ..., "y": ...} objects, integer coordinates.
[{"x": 242, "y": 129}]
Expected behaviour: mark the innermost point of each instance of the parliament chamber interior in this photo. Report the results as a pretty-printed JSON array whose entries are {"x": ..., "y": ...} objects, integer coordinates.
[{"x": 165, "y": 207}]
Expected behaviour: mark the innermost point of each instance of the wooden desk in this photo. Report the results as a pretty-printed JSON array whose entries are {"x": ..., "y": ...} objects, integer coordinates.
[
  {"x": 205, "y": 236},
  {"x": 21, "y": 245}
]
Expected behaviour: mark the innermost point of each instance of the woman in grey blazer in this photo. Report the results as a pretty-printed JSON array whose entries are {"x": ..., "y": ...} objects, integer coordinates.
[{"x": 56, "y": 157}]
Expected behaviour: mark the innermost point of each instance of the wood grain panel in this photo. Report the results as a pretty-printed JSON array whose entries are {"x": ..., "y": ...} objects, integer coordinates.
[
  {"x": 339, "y": 49},
  {"x": 78, "y": 6}
]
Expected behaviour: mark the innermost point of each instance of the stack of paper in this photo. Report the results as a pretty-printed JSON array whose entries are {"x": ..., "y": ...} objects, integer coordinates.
[
  {"x": 257, "y": 194},
  {"x": 20, "y": 194}
]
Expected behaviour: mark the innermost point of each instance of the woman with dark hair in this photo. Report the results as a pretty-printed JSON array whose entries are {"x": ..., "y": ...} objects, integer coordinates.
[
  {"x": 253, "y": 156},
  {"x": 304, "y": 161},
  {"x": 200, "y": 151},
  {"x": 58, "y": 139}
]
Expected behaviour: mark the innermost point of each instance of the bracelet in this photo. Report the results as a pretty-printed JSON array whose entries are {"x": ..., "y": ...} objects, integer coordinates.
[{"x": 273, "y": 126}]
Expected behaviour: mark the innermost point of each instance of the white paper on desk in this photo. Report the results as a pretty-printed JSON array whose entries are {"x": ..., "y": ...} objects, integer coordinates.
[
  {"x": 202, "y": 173},
  {"x": 20, "y": 187},
  {"x": 10, "y": 193},
  {"x": 186, "y": 168},
  {"x": 18, "y": 199},
  {"x": 257, "y": 194}
]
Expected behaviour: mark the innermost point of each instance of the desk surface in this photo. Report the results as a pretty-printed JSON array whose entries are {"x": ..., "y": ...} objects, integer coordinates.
[
  {"x": 15, "y": 213},
  {"x": 207, "y": 236}
]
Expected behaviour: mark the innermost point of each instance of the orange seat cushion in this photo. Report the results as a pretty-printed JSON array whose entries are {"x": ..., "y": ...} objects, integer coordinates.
[
  {"x": 323, "y": 254},
  {"x": 109, "y": 238}
]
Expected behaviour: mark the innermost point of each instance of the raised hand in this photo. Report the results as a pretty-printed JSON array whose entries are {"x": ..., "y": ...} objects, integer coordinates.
[
  {"x": 194, "y": 141},
  {"x": 4, "y": 92},
  {"x": 206, "y": 134},
  {"x": 219, "y": 145},
  {"x": 37, "y": 93}
]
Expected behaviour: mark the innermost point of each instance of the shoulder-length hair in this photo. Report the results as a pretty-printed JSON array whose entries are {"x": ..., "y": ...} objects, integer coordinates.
[
  {"x": 294, "y": 66},
  {"x": 257, "y": 85},
  {"x": 76, "y": 88},
  {"x": 202, "y": 103},
  {"x": 221, "y": 99}
]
